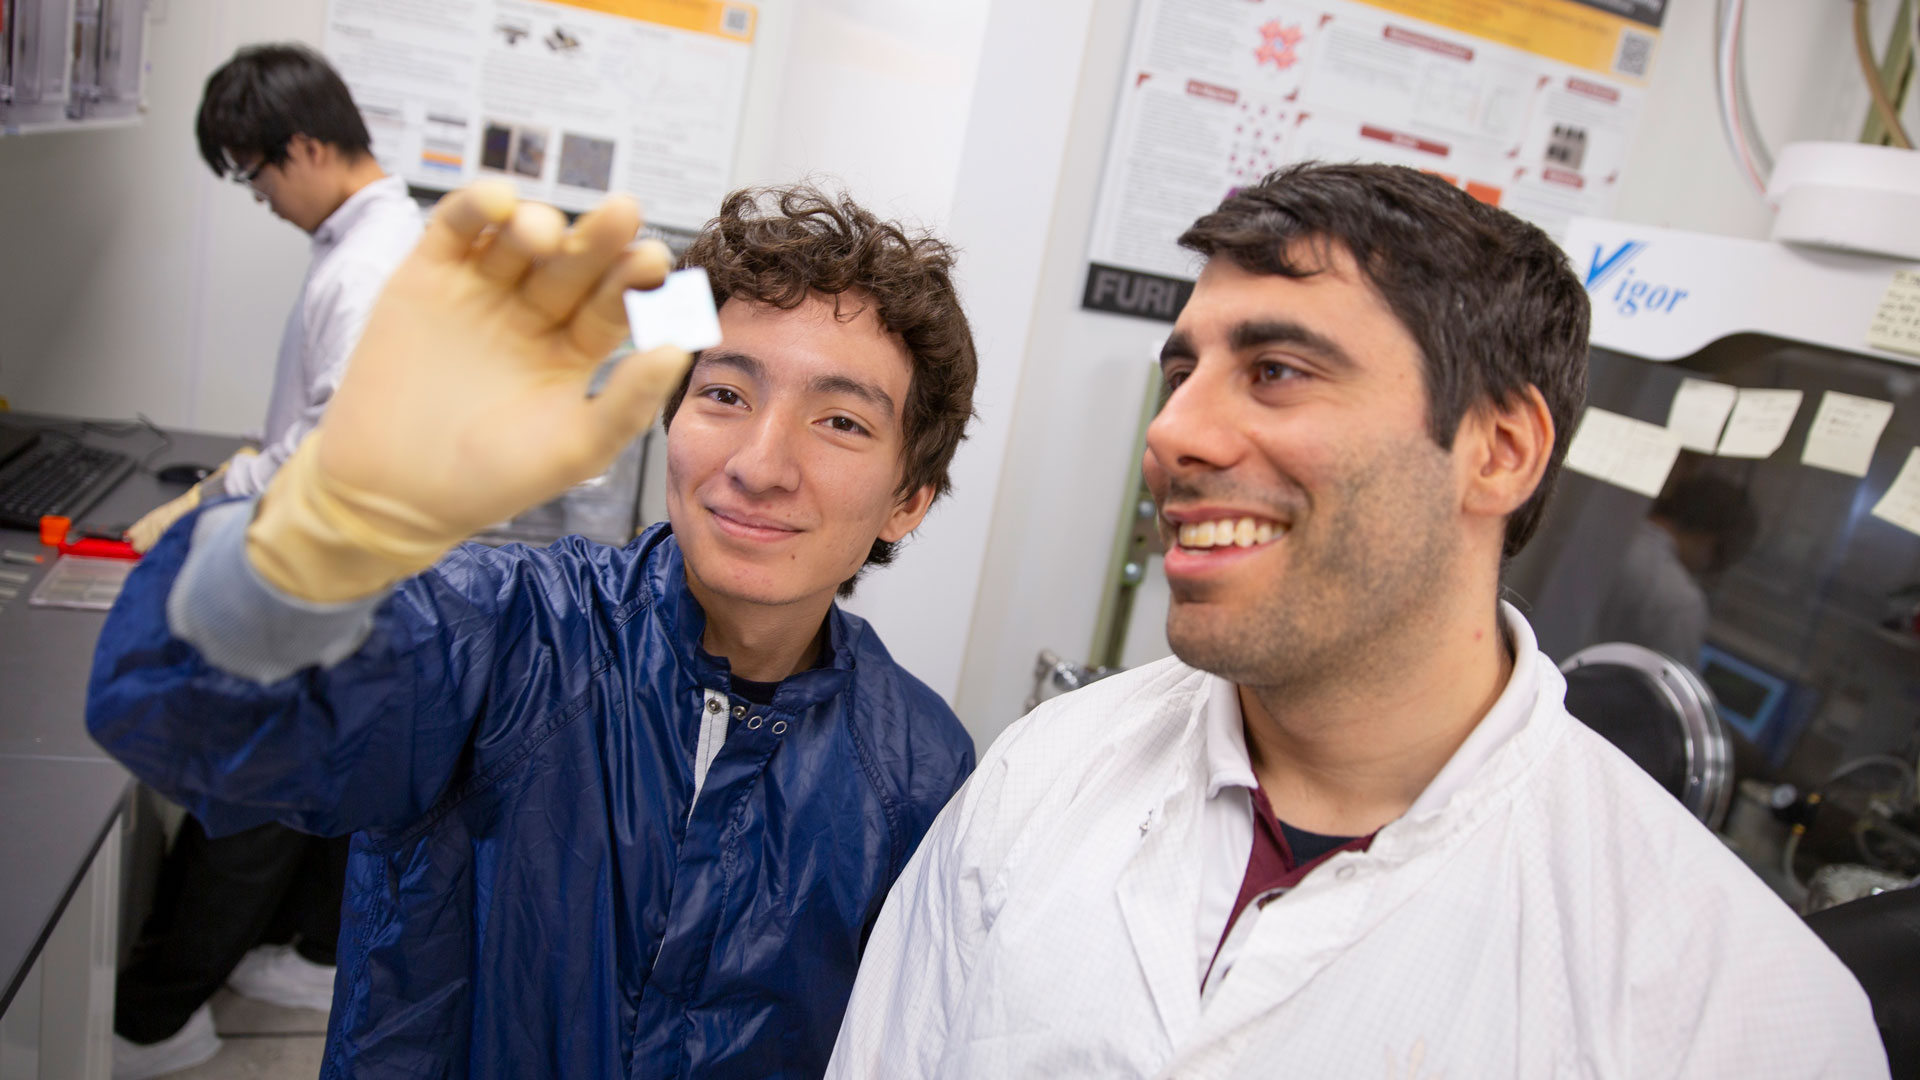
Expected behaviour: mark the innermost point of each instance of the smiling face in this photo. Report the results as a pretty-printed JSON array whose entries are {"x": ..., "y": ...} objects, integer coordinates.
[
  {"x": 784, "y": 458},
  {"x": 1308, "y": 514}
]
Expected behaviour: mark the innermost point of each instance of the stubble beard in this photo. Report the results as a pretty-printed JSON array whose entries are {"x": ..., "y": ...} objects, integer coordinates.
[{"x": 1359, "y": 587}]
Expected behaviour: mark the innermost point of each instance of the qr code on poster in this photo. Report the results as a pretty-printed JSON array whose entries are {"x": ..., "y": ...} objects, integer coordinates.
[
  {"x": 736, "y": 19},
  {"x": 1635, "y": 54}
]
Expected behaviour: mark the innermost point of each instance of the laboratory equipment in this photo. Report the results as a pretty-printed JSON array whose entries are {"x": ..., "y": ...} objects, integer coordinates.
[
  {"x": 82, "y": 583},
  {"x": 1810, "y": 671},
  {"x": 1660, "y": 714}
]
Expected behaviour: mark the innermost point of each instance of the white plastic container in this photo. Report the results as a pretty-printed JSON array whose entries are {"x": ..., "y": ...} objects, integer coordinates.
[{"x": 1848, "y": 197}]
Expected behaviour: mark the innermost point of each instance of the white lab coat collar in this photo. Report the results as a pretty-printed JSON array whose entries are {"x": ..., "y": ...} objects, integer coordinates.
[
  {"x": 1228, "y": 764},
  {"x": 1508, "y": 715},
  {"x": 347, "y": 214}
]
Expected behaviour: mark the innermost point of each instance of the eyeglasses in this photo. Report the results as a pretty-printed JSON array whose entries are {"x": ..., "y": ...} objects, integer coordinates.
[{"x": 244, "y": 176}]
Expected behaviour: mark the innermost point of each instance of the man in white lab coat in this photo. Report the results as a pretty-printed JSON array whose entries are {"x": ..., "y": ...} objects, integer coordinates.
[
  {"x": 1351, "y": 829},
  {"x": 279, "y": 121}
]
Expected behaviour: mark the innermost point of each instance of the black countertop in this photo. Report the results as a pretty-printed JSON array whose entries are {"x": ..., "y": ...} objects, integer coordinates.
[{"x": 59, "y": 791}]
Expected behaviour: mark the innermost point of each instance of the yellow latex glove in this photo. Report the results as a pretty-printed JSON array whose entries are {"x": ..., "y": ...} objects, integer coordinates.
[
  {"x": 465, "y": 401},
  {"x": 147, "y": 531}
]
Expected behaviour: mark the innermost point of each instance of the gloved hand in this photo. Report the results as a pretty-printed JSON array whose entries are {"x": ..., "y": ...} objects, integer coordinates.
[
  {"x": 466, "y": 399},
  {"x": 147, "y": 531}
]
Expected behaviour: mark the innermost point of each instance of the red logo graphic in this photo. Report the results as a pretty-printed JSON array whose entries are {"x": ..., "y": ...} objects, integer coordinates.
[{"x": 1276, "y": 45}]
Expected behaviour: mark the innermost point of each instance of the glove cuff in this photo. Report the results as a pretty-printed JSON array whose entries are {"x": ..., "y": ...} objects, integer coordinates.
[{"x": 325, "y": 542}]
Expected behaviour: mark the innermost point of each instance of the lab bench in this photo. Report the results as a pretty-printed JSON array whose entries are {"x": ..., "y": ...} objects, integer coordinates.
[{"x": 63, "y": 801}]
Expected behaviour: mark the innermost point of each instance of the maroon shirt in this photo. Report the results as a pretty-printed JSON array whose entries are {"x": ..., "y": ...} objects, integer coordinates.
[{"x": 1272, "y": 868}]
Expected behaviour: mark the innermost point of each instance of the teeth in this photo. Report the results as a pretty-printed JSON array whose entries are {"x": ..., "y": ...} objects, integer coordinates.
[{"x": 1231, "y": 532}]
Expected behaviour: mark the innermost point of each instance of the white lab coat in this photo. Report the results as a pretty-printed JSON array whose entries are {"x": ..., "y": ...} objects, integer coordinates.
[
  {"x": 355, "y": 251},
  {"x": 1557, "y": 914}
]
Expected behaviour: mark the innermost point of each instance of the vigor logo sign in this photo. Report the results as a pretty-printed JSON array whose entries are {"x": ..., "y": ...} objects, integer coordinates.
[{"x": 1631, "y": 293}]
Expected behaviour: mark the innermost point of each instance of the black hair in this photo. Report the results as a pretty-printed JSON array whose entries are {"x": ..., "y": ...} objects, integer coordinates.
[
  {"x": 1713, "y": 507},
  {"x": 1490, "y": 300},
  {"x": 259, "y": 100}
]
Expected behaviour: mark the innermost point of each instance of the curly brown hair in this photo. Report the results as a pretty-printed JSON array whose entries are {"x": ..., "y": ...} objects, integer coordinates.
[{"x": 780, "y": 245}]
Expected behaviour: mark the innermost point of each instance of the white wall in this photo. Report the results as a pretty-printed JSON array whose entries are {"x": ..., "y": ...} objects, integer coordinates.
[
  {"x": 1003, "y": 214},
  {"x": 874, "y": 94},
  {"x": 1064, "y": 471},
  {"x": 133, "y": 282}
]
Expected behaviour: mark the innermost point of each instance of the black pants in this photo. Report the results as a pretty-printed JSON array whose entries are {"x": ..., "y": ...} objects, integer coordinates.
[{"x": 217, "y": 899}]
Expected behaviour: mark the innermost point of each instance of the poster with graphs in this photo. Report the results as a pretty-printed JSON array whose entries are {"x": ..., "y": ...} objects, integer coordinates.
[{"x": 567, "y": 99}]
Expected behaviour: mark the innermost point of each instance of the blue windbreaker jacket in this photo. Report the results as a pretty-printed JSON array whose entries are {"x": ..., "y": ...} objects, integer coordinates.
[{"x": 533, "y": 890}]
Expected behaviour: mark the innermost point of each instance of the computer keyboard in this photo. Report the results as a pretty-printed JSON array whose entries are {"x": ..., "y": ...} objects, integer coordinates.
[{"x": 56, "y": 475}]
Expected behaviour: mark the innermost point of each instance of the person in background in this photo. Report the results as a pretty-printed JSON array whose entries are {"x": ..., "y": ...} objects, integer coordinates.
[
  {"x": 615, "y": 811},
  {"x": 279, "y": 121},
  {"x": 1349, "y": 828},
  {"x": 1695, "y": 530}
]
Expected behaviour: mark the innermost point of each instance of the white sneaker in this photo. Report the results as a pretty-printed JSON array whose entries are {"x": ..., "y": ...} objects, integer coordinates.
[
  {"x": 279, "y": 975},
  {"x": 195, "y": 1043}
]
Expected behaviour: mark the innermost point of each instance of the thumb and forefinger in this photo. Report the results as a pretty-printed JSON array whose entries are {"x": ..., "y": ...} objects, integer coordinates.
[{"x": 639, "y": 382}]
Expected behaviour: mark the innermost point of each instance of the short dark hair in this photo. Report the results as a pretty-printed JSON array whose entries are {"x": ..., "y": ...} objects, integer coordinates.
[
  {"x": 780, "y": 245},
  {"x": 259, "y": 100},
  {"x": 1714, "y": 507},
  {"x": 1490, "y": 300}
]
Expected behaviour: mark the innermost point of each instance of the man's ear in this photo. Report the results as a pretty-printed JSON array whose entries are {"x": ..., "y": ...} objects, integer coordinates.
[
  {"x": 306, "y": 149},
  {"x": 1503, "y": 451},
  {"x": 907, "y": 514}
]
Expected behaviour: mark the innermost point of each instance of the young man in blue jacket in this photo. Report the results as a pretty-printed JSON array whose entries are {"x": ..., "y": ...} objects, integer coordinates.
[{"x": 615, "y": 812}]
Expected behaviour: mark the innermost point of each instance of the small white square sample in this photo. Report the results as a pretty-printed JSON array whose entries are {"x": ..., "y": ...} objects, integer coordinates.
[{"x": 680, "y": 312}]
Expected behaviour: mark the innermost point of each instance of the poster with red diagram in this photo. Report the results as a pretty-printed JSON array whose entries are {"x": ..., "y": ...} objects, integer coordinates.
[{"x": 1525, "y": 104}]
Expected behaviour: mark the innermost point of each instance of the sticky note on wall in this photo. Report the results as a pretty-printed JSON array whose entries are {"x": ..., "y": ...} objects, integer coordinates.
[
  {"x": 1699, "y": 411},
  {"x": 1901, "y": 504},
  {"x": 1759, "y": 422},
  {"x": 1844, "y": 433},
  {"x": 1896, "y": 323},
  {"x": 1624, "y": 452}
]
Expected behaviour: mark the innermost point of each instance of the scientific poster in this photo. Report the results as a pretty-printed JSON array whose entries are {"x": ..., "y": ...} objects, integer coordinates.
[
  {"x": 1526, "y": 104},
  {"x": 568, "y": 99}
]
